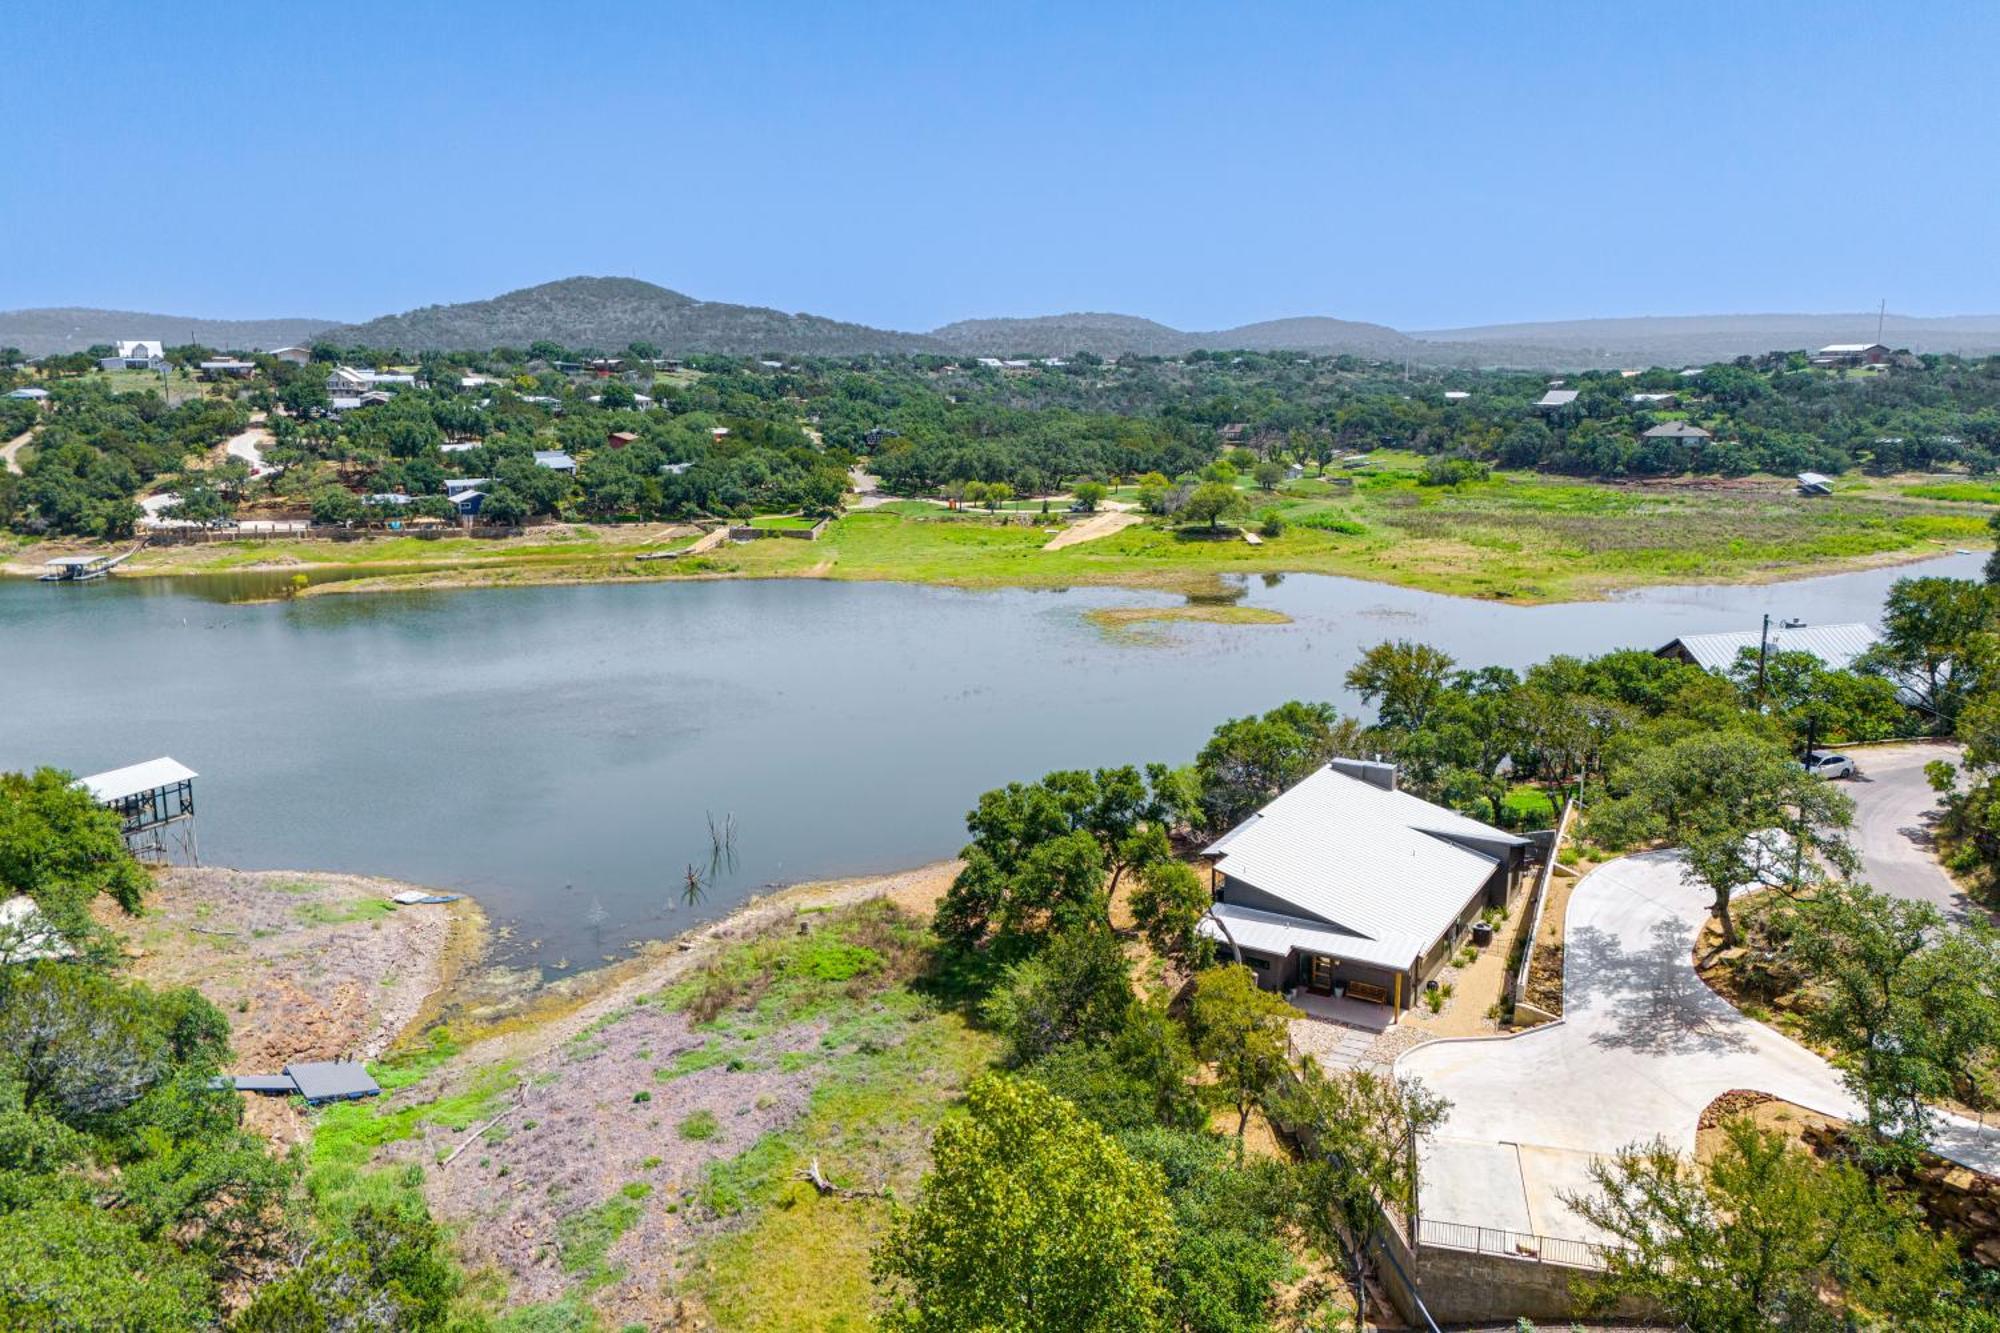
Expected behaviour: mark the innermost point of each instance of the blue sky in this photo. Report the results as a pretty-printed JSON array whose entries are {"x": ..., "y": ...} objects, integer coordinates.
[{"x": 1416, "y": 164}]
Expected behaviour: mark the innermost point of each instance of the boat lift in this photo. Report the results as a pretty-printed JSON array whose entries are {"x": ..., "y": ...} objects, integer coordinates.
[
  {"x": 156, "y": 800},
  {"x": 84, "y": 568}
]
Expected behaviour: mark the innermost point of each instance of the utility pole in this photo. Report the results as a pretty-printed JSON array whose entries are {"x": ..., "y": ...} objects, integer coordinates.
[{"x": 1763, "y": 655}]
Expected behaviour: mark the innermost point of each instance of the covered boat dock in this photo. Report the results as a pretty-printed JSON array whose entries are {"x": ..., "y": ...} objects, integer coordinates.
[{"x": 156, "y": 801}]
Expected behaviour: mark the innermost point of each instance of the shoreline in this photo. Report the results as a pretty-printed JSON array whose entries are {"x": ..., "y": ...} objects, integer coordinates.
[
  {"x": 483, "y": 1006},
  {"x": 242, "y": 937},
  {"x": 519, "y": 570}
]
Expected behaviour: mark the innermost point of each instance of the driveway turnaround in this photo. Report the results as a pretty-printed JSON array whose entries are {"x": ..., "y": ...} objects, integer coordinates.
[
  {"x": 1893, "y": 809},
  {"x": 1643, "y": 1048}
]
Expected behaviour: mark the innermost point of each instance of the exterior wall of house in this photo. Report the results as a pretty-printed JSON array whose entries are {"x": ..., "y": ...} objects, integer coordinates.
[
  {"x": 1385, "y": 977},
  {"x": 1272, "y": 972}
]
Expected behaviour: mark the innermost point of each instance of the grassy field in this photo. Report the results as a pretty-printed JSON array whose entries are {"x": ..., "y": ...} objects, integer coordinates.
[
  {"x": 1965, "y": 492},
  {"x": 1516, "y": 537}
]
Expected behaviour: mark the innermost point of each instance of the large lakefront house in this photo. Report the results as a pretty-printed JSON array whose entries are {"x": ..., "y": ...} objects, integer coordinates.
[{"x": 1345, "y": 885}]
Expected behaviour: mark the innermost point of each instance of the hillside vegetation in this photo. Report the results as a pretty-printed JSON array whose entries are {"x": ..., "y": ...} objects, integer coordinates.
[{"x": 609, "y": 313}]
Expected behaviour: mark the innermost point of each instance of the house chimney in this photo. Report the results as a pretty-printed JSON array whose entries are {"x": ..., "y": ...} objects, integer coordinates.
[{"x": 1371, "y": 771}]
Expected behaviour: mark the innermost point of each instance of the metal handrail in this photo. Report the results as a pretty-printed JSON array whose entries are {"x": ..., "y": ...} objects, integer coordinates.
[
  {"x": 1533, "y": 926},
  {"x": 1524, "y": 1245}
]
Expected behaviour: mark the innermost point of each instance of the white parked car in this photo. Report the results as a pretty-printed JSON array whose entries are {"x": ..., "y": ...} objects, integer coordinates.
[{"x": 1827, "y": 764}]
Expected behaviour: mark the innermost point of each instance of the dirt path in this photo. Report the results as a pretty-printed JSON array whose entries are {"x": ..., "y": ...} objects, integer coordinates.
[
  {"x": 10, "y": 451},
  {"x": 1098, "y": 525}
]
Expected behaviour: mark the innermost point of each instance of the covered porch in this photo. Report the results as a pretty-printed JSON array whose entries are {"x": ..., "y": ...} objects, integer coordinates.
[
  {"x": 1363, "y": 1014},
  {"x": 1323, "y": 971}
]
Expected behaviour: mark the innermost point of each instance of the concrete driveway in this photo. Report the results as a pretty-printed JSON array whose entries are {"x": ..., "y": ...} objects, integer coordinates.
[
  {"x": 1894, "y": 807},
  {"x": 1643, "y": 1048}
]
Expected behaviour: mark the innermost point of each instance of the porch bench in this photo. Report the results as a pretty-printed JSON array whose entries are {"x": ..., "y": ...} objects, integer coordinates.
[{"x": 1367, "y": 990}]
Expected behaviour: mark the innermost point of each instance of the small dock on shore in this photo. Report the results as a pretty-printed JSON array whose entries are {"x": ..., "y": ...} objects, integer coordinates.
[{"x": 83, "y": 568}]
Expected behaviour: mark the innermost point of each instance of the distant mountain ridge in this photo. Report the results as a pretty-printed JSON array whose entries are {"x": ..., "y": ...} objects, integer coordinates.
[
  {"x": 1115, "y": 335},
  {"x": 51, "y": 330},
  {"x": 1674, "y": 339},
  {"x": 610, "y": 313}
]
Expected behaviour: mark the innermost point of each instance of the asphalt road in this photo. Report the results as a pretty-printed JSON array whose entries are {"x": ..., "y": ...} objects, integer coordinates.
[{"x": 1893, "y": 810}]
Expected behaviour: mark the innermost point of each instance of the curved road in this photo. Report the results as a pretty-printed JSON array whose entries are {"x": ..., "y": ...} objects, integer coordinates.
[
  {"x": 1894, "y": 808},
  {"x": 1644, "y": 1047}
]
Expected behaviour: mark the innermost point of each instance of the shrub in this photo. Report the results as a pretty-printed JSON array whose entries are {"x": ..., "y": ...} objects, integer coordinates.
[
  {"x": 699, "y": 1126},
  {"x": 1441, "y": 470}
]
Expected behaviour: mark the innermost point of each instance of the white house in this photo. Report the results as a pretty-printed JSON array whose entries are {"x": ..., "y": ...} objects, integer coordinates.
[
  {"x": 555, "y": 460},
  {"x": 346, "y": 381},
  {"x": 142, "y": 355},
  {"x": 1345, "y": 885},
  {"x": 293, "y": 356}
]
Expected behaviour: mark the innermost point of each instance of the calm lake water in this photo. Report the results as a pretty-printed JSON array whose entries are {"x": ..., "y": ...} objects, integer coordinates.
[{"x": 559, "y": 751}]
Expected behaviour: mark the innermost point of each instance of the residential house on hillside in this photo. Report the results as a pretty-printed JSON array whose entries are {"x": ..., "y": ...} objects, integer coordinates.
[
  {"x": 293, "y": 356},
  {"x": 1679, "y": 431},
  {"x": 555, "y": 460},
  {"x": 142, "y": 355},
  {"x": 1556, "y": 398},
  {"x": 227, "y": 366},
  {"x": 346, "y": 381},
  {"x": 1346, "y": 886},
  {"x": 464, "y": 494},
  {"x": 29, "y": 394},
  {"x": 1835, "y": 645},
  {"x": 1851, "y": 354},
  {"x": 1815, "y": 483}
]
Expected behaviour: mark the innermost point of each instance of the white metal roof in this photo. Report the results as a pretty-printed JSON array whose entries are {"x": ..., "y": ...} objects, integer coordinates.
[
  {"x": 1379, "y": 864},
  {"x": 1836, "y": 349},
  {"x": 1273, "y": 933},
  {"x": 1557, "y": 398},
  {"x": 120, "y": 783},
  {"x": 26, "y": 934},
  {"x": 1835, "y": 645}
]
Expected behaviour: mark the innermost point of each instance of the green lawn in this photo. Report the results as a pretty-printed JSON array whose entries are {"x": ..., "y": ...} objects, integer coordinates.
[
  {"x": 1972, "y": 492},
  {"x": 784, "y": 522}
]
